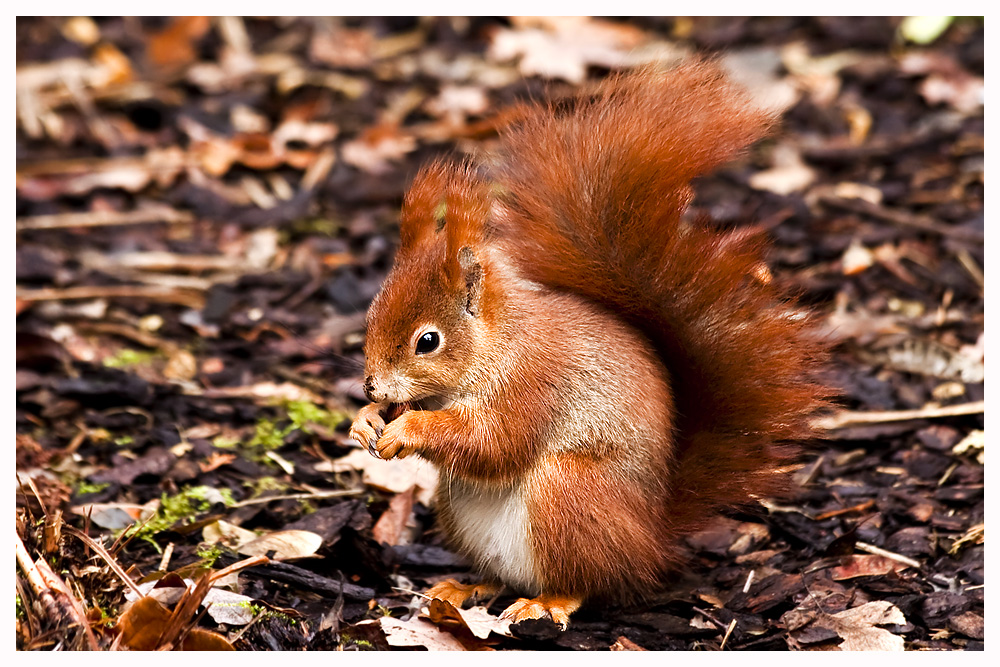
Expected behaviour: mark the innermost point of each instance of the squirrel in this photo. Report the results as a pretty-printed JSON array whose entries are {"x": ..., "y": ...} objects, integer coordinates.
[{"x": 594, "y": 375}]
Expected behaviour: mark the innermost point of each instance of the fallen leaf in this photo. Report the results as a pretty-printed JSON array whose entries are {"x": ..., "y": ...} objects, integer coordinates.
[
  {"x": 286, "y": 544},
  {"x": 143, "y": 622},
  {"x": 418, "y": 632},
  {"x": 757, "y": 70},
  {"x": 227, "y": 534},
  {"x": 116, "y": 516},
  {"x": 391, "y": 528},
  {"x": 377, "y": 147},
  {"x": 857, "y": 627},
  {"x": 789, "y": 173},
  {"x": 477, "y": 620},
  {"x": 396, "y": 475},
  {"x": 856, "y": 258},
  {"x": 223, "y": 606},
  {"x": 865, "y": 565},
  {"x": 563, "y": 47},
  {"x": 174, "y": 46}
]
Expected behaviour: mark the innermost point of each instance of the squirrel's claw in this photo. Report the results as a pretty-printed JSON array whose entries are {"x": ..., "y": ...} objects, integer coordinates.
[
  {"x": 556, "y": 607},
  {"x": 458, "y": 594}
]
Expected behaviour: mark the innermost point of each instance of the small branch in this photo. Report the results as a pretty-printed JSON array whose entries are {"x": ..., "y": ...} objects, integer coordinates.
[
  {"x": 848, "y": 418},
  {"x": 184, "y": 297},
  {"x": 879, "y": 551},
  {"x": 52, "y": 592},
  {"x": 299, "y": 496},
  {"x": 108, "y": 558},
  {"x": 902, "y": 218},
  {"x": 104, "y": 219}
]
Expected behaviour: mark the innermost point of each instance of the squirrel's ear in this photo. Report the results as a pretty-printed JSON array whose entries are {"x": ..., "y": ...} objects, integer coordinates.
[
  {"x": 424, "y": 205},
  {"x": 471, "y": 272}
]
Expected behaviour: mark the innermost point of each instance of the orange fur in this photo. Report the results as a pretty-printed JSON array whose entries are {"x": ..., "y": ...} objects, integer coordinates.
[{"x": 608, "y": 375}]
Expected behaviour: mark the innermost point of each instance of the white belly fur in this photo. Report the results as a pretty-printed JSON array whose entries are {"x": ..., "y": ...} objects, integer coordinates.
[{"x": 493, "y": 524}]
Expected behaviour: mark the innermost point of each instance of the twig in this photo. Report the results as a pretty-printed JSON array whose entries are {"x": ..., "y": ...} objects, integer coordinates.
[
  {"x": 848, "y": 418},
  {"x": 861, "y": 507},
  {"x": 879, "y": 551},
  {"x": 52, "y": 591},
  {"x": 903, "y": 218},
  {"x": 168, "y": 553},
  {"x": 104, "y": 219},
  {"x": 184, "y": 297},
  {"x": 299, "y": 496},
  {"x": 729, "y": 631},
  {"x": 108, "y": 558},
  {"x": 749, "y": 582},
  {"x": 969, "y": 264}
]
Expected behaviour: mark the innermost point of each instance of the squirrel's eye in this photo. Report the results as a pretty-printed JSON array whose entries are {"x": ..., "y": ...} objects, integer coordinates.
[{"x": 428, "y": 342}]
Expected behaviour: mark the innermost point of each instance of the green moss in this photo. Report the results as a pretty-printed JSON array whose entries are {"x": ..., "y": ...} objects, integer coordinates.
[
  {"x": 262, "y": 485},
  {"x": 269, "y": 435},
  {"x": 83, "y": 488},
  {"x": 316, "y": 226},
  {"x": 209, "y": 553},
  {"x": 124, "y": 440},
  {"x": 224, "y": 442},
  {"x": 177, "y": 509},
  {"x": 129, "y": 358}
]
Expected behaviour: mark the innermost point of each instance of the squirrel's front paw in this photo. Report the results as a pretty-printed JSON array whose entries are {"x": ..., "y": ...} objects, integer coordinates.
[
  {"x": 397, "y": 440},
  {"x": 368, "y": 426}
]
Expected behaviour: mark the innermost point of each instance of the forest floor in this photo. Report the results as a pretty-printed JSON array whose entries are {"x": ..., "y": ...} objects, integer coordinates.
[{"x": 205, "y": 208}]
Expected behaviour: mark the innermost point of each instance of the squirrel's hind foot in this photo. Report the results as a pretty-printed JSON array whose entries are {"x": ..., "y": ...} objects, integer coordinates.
[
  {"x": 457, "y": 594},
  {"x": 557, "y": 607}
]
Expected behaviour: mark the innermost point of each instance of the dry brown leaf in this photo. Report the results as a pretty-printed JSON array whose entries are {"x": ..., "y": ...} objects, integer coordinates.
[
  {"x": 116, "y": 516},
  {"x": 858, "y": 627},
  {"x": 142, "y": 625},
  {"x": 227, "y": 534},
  {"x": 342, "y": 47},
  {"x": 266, "y": 390},
  {"x": 758, "y": 70},
  {"x": 205, "y": 640},
  {"x": 286, "y": 544},
  {"x": 563, "y": 47},
  {"x": 865, "y": 565},
  {"x": 418, "y": 632},
  {"x": 928, "y": 357},
  {"x": 174, "y": 46},
  {"x": 789, "y": 173},
  {"x": 391, "y": 528},
  {"x": 477, "y": 620},
  {"x": 948, "y": 81},
  {"x": 856, "y": 258},
  {"x": 396, "y": 475},
  {"x": 377, "y": 147}
]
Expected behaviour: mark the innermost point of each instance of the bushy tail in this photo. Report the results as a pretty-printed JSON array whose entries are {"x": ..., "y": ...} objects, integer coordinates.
[{"x": 592, "y": 199}]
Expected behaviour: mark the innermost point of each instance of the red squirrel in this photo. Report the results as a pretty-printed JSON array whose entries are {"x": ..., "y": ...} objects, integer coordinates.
[{"x": 593, "y": 375}]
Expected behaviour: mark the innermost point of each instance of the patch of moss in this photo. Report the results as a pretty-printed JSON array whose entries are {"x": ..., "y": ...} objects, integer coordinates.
[
  {"x": 83, "y": 488},
  {"x": 129, "y": 358},
  {"x": 269, "y": 434},
  {"x": 315, "y": 226},
  {"x": 225, "y": 442},
  {"x": 209, "y": 553},
  {"x": 262, "y": 485},
  {"x": 177, "y": 509}
]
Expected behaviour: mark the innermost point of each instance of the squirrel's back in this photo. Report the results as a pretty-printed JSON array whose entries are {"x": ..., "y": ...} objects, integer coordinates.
[{"x": 590, "y": 201}]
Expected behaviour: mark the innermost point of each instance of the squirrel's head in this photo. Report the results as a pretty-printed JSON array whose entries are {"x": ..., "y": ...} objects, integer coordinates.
[{"x": 427, "y": 326}]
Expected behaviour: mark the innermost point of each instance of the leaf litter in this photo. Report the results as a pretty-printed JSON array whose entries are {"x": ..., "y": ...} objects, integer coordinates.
[{"x": 205, "y": 207}]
